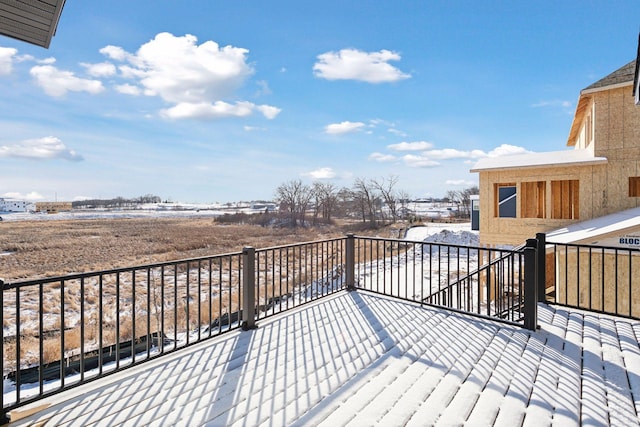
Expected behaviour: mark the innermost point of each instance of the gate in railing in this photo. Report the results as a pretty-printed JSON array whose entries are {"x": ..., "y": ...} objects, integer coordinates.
[{"x": 61, "y": 332}]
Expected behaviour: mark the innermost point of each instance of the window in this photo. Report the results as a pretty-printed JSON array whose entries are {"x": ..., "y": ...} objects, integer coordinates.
[
  {"x": 565, "y": 200},
  {"x": 505, "y": 197},
  {"x": 533, "y": 200},
  {"x": 634, "y": 186}
]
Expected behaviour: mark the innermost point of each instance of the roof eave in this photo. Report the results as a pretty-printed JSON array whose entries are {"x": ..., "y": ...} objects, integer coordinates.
[
  {"x": 590, "y": 162},
  {"x": 29, "y": 22},
  {"x": 636, "y": 81},
  {"x": 578, "y": 117}
]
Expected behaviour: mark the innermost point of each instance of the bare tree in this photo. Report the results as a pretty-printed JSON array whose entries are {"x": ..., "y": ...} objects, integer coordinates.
[
  {"x": 294, "y": 198},
  {"x": 365, "y": 198},
  {"x": 403, "y": 198},
  {"x": 326, "y": 199},
  {"x": 463, "y": 199},
  {"x": 386, "y": 188}
]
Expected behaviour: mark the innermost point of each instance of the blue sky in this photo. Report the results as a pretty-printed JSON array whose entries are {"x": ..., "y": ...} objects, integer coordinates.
[{"x": 203, "y": 101}]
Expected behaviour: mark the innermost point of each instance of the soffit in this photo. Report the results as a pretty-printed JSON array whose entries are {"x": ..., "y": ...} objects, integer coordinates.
[{"x": 31, "y": 21}]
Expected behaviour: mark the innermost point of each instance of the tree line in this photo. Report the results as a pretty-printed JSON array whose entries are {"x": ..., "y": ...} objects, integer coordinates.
[
  {"x": 372, "y": 201},
  {"x": 115, "y": 203}
]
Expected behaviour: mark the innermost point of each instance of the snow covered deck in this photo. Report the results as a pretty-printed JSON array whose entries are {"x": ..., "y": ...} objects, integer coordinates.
[{"x": 362, "y": 359}]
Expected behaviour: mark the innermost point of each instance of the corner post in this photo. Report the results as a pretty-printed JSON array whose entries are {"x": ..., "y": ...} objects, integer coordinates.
[
  {"x": 248, "y": 288},
  {"x": 4, "y": 416},
  {"x": 542, "y": 267},
  {"x": 530, "y": 285},
  {"x": 350, "y": 262}
]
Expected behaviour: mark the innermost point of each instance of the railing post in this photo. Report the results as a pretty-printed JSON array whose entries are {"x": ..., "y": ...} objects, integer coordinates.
[
  {"x": 530, "y": 286},
  {"x": 4, "y": 417},
  {"x": 542, "y": 266},
  {"x": 350, "y": 262},
  {"x": 248, "y": 288}
]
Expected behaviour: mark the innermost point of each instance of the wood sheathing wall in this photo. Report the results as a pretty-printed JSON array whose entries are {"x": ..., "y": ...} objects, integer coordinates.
[
  {"x": 617, "y": 137},
  {"x": 597, "y": 280},
  {"x": 602, "y": 188},
  {"x": 495, "y": 231}
]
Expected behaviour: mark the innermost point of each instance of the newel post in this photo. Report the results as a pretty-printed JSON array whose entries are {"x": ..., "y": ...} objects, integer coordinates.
[
  {"x": 542, "y": 267},
  {"x": 4, "y": 417},
  {"x": 530, "y": 285},
  {"x": 248, "y": 288},
  {"x": 350, "y": 262}
]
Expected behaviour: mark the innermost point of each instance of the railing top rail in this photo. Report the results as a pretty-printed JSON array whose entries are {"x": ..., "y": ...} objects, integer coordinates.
[
  {"x": 293, "y": 245},
  {"x": 507, "y": 252},
  {"x": 75, "y": 276},
  {"x": 600, "y": 247}
]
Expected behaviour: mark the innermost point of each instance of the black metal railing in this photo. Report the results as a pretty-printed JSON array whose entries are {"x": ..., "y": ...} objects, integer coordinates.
[
  {"x": 596, "y": 278},
  {"x": 476, "y": 280},
  {"x": 64, "y": 331}
]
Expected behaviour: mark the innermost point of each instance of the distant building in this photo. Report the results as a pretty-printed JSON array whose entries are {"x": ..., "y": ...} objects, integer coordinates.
[
  {"x": 264, "y": 206},
  {"x": 53, "y": 207},
  {"x": 15, "y": 205}
]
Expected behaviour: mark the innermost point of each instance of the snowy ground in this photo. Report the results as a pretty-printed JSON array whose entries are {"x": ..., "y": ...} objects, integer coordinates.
[{"x": 168, "y": 212}]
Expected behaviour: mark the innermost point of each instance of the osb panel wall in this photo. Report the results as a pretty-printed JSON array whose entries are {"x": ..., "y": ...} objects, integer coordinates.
[
  {"x": 604, "y": 189},
  {"x": 617, "y": 137},
  {"x": 580, "y": 280},
  {"x": 495, "y": 231}
]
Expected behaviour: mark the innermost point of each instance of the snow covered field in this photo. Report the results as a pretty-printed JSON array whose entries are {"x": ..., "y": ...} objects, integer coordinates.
[
  {"x": 402, "y": 271},
  {"x": 155, "y": 211}
]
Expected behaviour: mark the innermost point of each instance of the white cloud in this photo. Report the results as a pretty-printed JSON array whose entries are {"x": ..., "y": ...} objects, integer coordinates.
[
  {"x": 452, "y": 153},
  {"x": 343, "y": 127},
  {"x": 57, "y": 83},
  {"x": 553, "y": 103},
  {"x": 48, "y": 147},
  {"x": 414, "y": 161},
  {"x": 353, "y": 64},
  {"x": 253, "y": 128},
  {"x": 269, "y": 111},
  {"x": 410, "y": 146},
  {"x": 46, "y": 61},
  {"x": 396, "y": 132},
  {"x": 460, "y": 182},
  {"x": 264, "y": 88},
  {"x": 322, "y": 173},
  {"x": 506, "y": 150},
  {"x": 180, "y": 71},
  {"x": 216, "y": 110},
  {"x": 114, "y": 52},
  {"x": 196, "y": 79},
  {"x": 379, "y": 157},
  {"x": 430, "y": 158},
  {"x": 20, "y": 196},
  {"x": 102, "y": 69},
  {"x": 6, "y": 59},
  {"x": 128, "y": 89}
]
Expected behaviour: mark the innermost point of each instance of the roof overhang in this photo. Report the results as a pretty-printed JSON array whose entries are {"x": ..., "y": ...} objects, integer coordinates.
[
  {"x": 31, "y": 21},
  {"x": 583, "y": 103},
  {"x": 581, "y": 157},
  {"x": 598, "y": 231}
]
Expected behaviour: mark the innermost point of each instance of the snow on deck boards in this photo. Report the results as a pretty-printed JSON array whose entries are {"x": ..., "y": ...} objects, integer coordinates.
[{"x": 362, "y": 359}]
